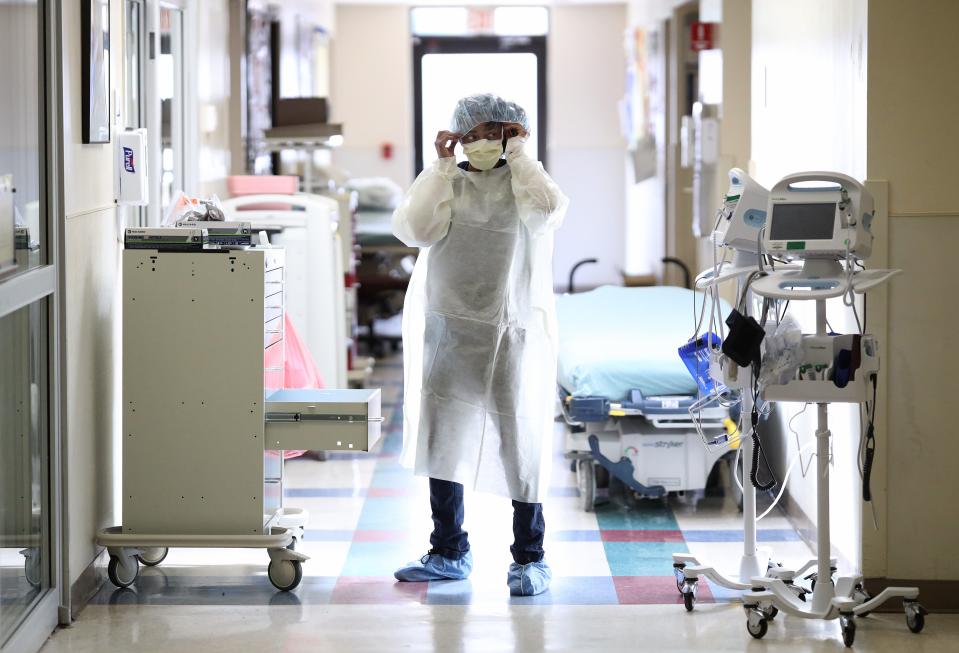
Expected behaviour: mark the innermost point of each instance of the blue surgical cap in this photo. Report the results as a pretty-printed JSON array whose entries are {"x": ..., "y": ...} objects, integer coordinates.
[{"x": 486, "y": 107}]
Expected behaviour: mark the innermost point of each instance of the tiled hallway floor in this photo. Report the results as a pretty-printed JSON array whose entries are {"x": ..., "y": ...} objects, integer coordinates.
[{"x": 613, "y": 586}]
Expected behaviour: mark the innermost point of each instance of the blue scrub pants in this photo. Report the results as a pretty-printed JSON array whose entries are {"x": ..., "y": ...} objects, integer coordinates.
[{"x": 450, "y": 540}]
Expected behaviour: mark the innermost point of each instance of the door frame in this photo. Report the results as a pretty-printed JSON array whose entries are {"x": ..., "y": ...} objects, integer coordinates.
[
  {"x": 188, "y": 128},
  {"x": 45, "y": 283},
  {"x": 423, "y": 45}
]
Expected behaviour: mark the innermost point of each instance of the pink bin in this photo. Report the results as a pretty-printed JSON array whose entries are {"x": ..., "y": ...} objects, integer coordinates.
[{"x": 241, "y": 185}]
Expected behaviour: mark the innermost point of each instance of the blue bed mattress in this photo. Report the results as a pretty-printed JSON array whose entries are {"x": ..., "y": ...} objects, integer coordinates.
[{"x": 613, "y": 340}]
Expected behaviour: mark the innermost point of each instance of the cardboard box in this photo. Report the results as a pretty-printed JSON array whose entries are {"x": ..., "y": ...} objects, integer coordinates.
[{"x": 301, "y": 111}]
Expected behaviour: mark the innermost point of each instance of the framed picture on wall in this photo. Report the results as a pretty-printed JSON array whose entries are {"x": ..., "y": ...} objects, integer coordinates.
[{"x": 95, "y": 63}]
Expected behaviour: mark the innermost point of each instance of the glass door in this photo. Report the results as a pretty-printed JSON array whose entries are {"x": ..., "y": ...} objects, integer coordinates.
[
  {"x": 171, "y": 92},
  {"x": 460, "y": 51},
  {"x": 29, "y": 125},
  {"x": 134, "y": 106}
]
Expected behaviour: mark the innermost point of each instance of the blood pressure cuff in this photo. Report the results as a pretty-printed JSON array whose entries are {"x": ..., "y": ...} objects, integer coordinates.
[{"x": 743, "y": 339}]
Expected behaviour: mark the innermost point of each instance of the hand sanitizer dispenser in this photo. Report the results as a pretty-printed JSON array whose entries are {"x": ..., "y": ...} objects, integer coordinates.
[{"x": 132, "y": 184}]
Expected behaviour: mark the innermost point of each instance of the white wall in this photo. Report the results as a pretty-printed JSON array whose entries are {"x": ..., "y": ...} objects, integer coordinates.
[
  {"x": 372, "y": 96},
  {"x": 809, "y": 113},
  {"x": 372, "y": 90},
  {"x": 212, "y": 74},
  {"x": 913, "y": 89},
  {"x": 91, "y": 264},
  {"x": 586, "y": 81}
]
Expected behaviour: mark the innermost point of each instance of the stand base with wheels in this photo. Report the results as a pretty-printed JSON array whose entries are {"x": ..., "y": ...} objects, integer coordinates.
[
  {"x": 128, "y": 550},
  {"x": 846, "y": 601},
  {"x": 847, "y": 598}
]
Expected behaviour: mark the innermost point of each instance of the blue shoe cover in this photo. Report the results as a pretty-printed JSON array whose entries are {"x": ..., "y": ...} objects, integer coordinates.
[
  {"x": 528, "y": 580},
  {"x": 433, "y": 566}
]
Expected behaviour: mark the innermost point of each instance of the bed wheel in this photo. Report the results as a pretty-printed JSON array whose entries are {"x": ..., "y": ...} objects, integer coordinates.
[{"x": 586, "y": 481}]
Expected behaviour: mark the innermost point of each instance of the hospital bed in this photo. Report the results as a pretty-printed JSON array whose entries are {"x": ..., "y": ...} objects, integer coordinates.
[
  {"x": 383, "y": 274},
  {"x": 625, "y": 394}
]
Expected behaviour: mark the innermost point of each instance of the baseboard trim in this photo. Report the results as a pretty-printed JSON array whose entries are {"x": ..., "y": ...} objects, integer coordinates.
[
  {"x": 88, "y": 584},
  {"x": 934, "y": 595}
]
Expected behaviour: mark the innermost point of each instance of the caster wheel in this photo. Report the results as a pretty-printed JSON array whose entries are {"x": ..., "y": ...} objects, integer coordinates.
[
  {"x": 915, "y": 617},
  {"x": 123, "y": 575},
  {"x": 688, "y": 591},
  {"x": 860, "y": 595},
  {"x": 680, "y": 576},
  {"x": 153, "y": 557},
  {"x": 848, "y": 627},
  {"x": 285, "y": 574},
  {"x": 586, "y": 479},
  {"x": 772, "y": 612},
  {"x": 812, "y": 585},
  {"x": 756, "y": 624}
]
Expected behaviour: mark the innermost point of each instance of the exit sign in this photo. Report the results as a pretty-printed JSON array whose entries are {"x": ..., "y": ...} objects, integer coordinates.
[{"x": 702, "y": 36}]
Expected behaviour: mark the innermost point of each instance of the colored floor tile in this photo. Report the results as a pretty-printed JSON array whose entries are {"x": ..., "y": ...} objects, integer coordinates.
[
  {"x": 641, "y": 536},
  {"x": 647, "y": 515},
  {"x": 392, "y": 513},
  {"x": 653, "y": 590},
  {"x": 572, "y": 536},
  {"x": 571, "y": 559},
  {"x": 581, "y": 590},
  {"x": 642, "y": 558},
  {"x": 380, "y": 559},
  {"x": 378, "y": 591},
  {"x": 766, "y": 535},
  {"x": 368, "y": 515}
]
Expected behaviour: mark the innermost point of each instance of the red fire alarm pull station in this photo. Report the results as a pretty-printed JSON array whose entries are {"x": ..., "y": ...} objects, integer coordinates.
[
  {"x": 702, "y": 36},
  {"x": 386, "y": 150}
]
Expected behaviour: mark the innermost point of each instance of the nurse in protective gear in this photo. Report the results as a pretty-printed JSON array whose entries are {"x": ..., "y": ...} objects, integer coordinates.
[{"x": 479, "y": 335}]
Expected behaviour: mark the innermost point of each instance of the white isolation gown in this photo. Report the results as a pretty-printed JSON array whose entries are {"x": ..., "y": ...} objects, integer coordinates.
[{"x": 479, "y": 325}]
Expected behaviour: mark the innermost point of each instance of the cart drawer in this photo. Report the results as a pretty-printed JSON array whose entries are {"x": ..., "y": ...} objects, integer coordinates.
[{"x": 323, "y": 420}]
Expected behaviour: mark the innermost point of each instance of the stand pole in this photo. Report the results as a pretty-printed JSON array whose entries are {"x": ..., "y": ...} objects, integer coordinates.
[
  {"x": 823, "y": 594},
  {"x": 749, "y": 564}
]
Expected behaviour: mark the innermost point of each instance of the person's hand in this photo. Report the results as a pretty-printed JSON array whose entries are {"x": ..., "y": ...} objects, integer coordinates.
[
  {"x": 514, "y": 129},
  {"x": 445, "y": 143}
]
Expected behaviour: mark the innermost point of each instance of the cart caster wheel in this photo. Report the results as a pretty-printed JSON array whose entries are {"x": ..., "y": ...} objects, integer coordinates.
[
  {"x": 123, "y": 575},
  {"x": 285, "y": 574},
  {"x": 771, "y": 613},
  {"x": 812, "y": 584},
  {"x": 848, "y": 627},
  {"x": 688, "y": 590},
  {"x": 756, "y": 623},
  {"x": 680, "y": 576},
  {"x": 915, "y": 617},
  {"x": 800, "y": 592},
  {"x": 586, "y": 479},
  {"x": 153, "y": 557}
]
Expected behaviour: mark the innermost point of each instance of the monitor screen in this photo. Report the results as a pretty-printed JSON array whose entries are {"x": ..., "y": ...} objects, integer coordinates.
[{"x": 802, "y": 221}]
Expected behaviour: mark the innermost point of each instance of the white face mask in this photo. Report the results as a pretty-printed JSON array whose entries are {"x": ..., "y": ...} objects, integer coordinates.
[{"x": 483, "y": 155}]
